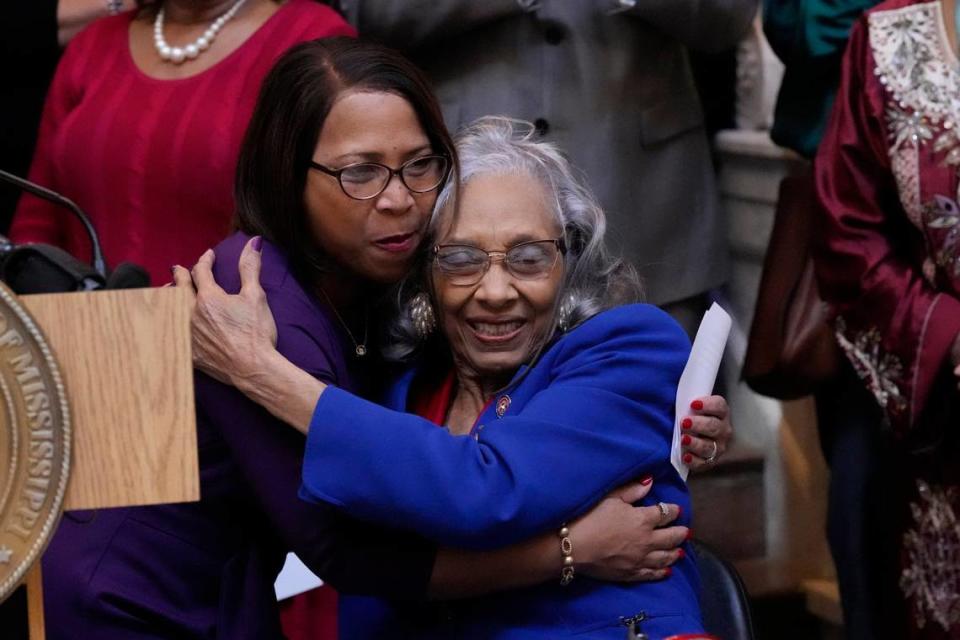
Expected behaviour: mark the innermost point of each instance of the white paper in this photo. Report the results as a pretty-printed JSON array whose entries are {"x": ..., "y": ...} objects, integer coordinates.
[
  {"x": 700, "y": 374},
  {"x": 294, "y": 578}
]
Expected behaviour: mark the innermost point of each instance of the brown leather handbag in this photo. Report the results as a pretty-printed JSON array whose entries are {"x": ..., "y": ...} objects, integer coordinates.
[{"x": 791, "y": 350}]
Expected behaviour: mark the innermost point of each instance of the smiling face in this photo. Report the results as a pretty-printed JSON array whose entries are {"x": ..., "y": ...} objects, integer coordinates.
[
  {"x": 377, "y": 238},
  {"x": 493, "y": 326}
]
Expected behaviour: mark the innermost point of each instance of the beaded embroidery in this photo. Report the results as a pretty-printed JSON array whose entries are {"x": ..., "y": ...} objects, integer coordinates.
[
  {"x": 920, "y": 76},
  {"x": 942, "y": 217},
  {"x": 905, "y": 164},
  {"x": 882, "y": 372},
  {"x": 932, "y": 574},
  {"x": 911, "y": 63}
]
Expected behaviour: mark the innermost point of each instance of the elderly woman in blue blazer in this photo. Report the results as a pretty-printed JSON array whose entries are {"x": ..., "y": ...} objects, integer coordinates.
[{"x": 534, "y": 387}]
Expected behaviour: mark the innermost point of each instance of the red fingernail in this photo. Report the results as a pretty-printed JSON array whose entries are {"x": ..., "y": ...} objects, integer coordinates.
[
  {"x": 696, "y": 405},
  {"x": 681, "y": 554},
  {"x": 687, "y": 458},
  {"x": 257, "y": 241},
  {"x": 645, "y": 480},
  {"x": 667, "y": 572},
  {"x": 689, "y": 534},
  {"x": 685, "y": 440},
  {"x": 687, "y": 423}
]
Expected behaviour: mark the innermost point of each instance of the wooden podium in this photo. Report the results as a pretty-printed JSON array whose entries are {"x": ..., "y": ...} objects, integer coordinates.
[{"x": 125, "y": 361}]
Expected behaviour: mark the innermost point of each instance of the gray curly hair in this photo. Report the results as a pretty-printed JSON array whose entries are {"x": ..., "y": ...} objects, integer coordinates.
[{"x": 594, "y": 279}]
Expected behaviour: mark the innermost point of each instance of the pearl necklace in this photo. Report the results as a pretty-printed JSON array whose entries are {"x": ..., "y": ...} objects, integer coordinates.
[{"x": 178, "y": 55}]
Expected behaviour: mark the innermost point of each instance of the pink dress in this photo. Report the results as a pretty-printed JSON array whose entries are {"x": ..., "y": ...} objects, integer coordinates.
[
  {"x": 887, "y": 175},
  {"x": 151, "y": 161}
]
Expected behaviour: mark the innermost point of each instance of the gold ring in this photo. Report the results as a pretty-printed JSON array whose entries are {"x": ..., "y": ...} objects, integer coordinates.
[
  {"x": 664, "y": 511},
  {"x": 716, "y": 449}
]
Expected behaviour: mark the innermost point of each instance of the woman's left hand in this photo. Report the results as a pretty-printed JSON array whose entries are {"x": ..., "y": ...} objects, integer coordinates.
[
  {"x": 706, "y": 432},
  {"x": 616, "y": 541},
  {"x": 230, "y": 333}
]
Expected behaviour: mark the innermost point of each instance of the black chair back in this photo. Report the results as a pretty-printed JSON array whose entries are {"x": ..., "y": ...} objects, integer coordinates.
[{"x": 723, "y": 598}]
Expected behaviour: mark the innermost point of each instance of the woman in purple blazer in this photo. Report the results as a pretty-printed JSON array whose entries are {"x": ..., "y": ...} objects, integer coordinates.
[{"x": 206, "y": 569}]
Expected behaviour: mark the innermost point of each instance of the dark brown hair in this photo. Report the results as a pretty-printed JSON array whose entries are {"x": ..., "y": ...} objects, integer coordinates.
[{"x": 293, "y": 104}]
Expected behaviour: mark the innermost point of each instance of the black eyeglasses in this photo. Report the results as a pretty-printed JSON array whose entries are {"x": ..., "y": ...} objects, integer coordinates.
[
  {"x": 465, "y": 265},
  {"x": 366, "y": 180}
]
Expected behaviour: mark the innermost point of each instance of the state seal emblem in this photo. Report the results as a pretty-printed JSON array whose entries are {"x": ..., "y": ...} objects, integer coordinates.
[{"x": 34, "y": 442}]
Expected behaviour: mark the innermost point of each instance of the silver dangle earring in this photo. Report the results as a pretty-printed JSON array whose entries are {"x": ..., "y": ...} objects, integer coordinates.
[
  {"x": 564, "y": 312},
  {"x": 422, "y": 314}
]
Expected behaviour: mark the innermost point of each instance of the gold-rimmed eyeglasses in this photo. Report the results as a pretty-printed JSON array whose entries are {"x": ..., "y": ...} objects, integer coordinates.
[
  {"x": 465, "y": 265},
  {"x": 367, "y": 180}
]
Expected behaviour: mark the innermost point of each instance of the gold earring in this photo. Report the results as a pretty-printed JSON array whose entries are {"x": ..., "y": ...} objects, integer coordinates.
[{"x": 423, "y": 316}]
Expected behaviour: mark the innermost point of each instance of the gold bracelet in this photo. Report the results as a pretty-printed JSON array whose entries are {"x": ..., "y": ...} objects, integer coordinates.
[{"x": 566, "y": 549}]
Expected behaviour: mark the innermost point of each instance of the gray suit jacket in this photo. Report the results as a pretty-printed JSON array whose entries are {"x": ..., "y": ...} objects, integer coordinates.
[{"x": 614, "y": 91}]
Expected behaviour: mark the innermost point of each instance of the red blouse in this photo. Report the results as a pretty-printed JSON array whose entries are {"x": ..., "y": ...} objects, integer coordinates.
[
  {"x": 431, "y": 398},
  {"x": 151, "y": 161}
]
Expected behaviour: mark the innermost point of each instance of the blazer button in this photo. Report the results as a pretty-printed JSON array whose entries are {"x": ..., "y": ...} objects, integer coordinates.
[
  {"x": 554, "y": 34},
  {"x": 541, "y": 126}
]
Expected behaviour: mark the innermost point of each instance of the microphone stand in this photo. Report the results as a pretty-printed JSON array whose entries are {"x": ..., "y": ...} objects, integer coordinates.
[{"x": 99, "y": 264}]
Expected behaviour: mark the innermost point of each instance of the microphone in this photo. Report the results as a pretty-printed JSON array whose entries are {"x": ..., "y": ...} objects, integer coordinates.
[
  {"x": 43, "y": 268},
  {"x": 99, "y": 265},
  {"x": 128, "y": 276}
]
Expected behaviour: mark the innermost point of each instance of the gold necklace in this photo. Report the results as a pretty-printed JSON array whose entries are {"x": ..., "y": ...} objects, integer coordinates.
[{"x": 360, "y": 348}]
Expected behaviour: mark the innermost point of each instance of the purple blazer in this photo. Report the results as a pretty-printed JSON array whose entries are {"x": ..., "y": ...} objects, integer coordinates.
[{"x": 206, "y": 569}]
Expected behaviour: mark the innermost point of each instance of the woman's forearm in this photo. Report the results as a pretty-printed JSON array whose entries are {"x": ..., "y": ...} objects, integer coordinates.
[
  {"x": 74, "y": 15},
  {"x": 283, "y": 389},
  {"x": 291, "y": 394},
  {"x": 465, "y": 574}
]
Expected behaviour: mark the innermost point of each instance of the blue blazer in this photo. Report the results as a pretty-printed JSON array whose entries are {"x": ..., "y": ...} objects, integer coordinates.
[{"x": 595, "y": 411}]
